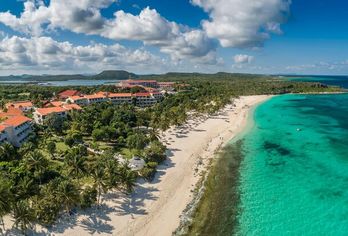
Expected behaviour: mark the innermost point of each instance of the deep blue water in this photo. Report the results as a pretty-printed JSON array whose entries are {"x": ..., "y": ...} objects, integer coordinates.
[{"x": 341, "y": 81}]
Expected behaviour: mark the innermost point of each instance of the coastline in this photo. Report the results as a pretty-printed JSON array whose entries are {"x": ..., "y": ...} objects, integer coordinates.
[
  {"x": 155, "y": 208},
  {"x": 223, "y": 169}
]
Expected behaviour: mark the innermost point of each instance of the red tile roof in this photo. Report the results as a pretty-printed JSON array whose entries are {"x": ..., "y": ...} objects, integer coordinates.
[
  {"x": 72, "y": 107},
  {"x": 142, "y": 94},
  {"x": 50, "y": 110},
  {"x": 75, "y": 98},
  {"x": 112, "y": 95},
  {"x": 57, "y": 103},
  {"x": 68, "y": 93},
  {"x": 19, "y": 104},
  {"x": 16, "y": 120}
]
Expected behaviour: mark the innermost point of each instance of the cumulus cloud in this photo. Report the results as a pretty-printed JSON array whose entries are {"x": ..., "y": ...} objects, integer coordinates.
[
  {"x": 84, "y": 16},
  {"x": 40, "y": 53},
  {"x": 243, "y": 59},
  {"x": 242, "y": 23}
]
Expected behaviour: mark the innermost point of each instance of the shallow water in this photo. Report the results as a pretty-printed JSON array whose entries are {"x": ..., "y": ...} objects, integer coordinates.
[{"x": 294, "y": 175}]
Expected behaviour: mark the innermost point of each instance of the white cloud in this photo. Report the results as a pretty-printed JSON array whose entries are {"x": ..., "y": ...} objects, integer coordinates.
[
  {"x": 41, "y": 53},
  {"x": 243, "y": 23},
  {"x": 243, "y": 59},
  {"x": 84, "y": 16}
]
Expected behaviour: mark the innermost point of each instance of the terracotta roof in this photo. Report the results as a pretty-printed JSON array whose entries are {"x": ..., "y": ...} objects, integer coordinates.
[
  {"x": 75, "y": 98},
  {"x": 112, "y": 95},
  {"x": 19, "y": 104},
  {"x": 93, "y": 96},
  {"x": 57, "y": 103},
  {"x": 142, "y": 94},
  {"x": 11, "y": 111},
  {"x": 50, "y": 110},
  {"x": 68, "y": 93},
  {"x": 16, "y": 120},
  {"x": 72, "y": 107}
]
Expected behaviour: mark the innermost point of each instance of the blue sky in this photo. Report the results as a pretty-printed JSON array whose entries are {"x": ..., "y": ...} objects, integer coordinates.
[{"x": 156, "y": 36}]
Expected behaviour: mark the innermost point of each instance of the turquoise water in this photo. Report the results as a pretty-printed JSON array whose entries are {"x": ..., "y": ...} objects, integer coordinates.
[{"x": 294, "y": 175}]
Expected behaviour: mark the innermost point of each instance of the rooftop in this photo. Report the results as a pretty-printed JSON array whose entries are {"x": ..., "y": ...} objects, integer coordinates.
[
  {"x": 94, "y": 96},
  {"x": 50, "y": 110},
  {"x": 71, "y": 107},
  {"x": 19, "y": 104},
  {"x": 68, "y": 93},
  {"x": 120, "y": 95},
  {"x": 16, "y": 120}
]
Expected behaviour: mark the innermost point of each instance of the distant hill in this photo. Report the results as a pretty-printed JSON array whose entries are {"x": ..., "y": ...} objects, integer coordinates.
[
  {"x": 105, "y": 75},
  {"x": 115, "y": 75}
]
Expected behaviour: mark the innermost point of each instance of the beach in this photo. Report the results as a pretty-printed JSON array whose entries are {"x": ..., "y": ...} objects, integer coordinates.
[{"x": 155, "y": 208}]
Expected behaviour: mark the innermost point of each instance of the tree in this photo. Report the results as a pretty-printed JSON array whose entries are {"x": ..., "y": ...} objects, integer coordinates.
[
  {"x": 51, "y": 148},
  {"x": 35, "y": 162},
  {"x": 23, "y": 216},
  {"x": 137, "y": 141},
  {"x": 100, "y": 180},
  {"x": 75, "y": 164},
  {"x": 55, "y": 123},
  {"x": 155, "y": 152},
  {"x": 98, "y": 134},
  {"x": 7, "y": 152},
  {"x": 88, "y": 197},
  {"x": 68, "y": 195}
]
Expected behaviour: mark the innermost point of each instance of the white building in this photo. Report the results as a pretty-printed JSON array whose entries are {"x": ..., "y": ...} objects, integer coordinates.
[
  {"x": 15, "y": 130},
  {"x": 24, "y": 106},
  {"x": 81, "y": 101},
  {"x": 41, "y": 114},
  {"x": 96, "y": 98},
  {"x": 145, "y": 99},
  {"x": 120, "y": 98}
]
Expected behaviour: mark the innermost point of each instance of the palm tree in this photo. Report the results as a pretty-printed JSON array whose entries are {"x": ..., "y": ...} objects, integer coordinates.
[
  {"x": 35, "y": 161},
  {"x": 75, "y": 165},
  {"x": 26, "y": 147},
  {"x": 23, "y": 216},
  {"x": 100, "y": 180},
  {"x": 7, "y": 152},
  {"x": 67, "y": 194},
  {"x": 6, "y": 197},
  {"x": 127, "y": 178}
]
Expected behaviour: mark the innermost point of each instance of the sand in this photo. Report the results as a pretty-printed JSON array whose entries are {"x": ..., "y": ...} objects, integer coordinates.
[{"x": 155, "y": 208}]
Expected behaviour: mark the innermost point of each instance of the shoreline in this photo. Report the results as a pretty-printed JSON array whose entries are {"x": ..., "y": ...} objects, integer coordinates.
[
  {"x": 155, "y": 208},
  {"x": 189, "y": 217}
]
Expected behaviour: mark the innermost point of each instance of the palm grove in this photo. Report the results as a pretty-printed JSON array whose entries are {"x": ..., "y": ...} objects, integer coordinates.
[{"x": 69, "y": 163}]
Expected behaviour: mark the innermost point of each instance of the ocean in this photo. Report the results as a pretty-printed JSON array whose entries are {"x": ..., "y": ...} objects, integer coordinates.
[
  {"x": 286, "y": 175},
  {"x": 294, "y": 174}
]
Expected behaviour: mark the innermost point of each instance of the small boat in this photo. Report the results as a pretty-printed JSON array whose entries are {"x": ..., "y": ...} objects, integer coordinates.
[{"x": 298, "y": 129}]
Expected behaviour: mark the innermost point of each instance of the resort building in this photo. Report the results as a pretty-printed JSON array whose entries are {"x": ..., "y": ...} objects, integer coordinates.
[
  {"x": 24, "y": 106},
  {"x": 143, "y": 83},
  {"x": 41, "y": 114},
  {"x": 80, "y": 100},
  {"x": 3, "y": 134},
  {"x": 95, "y": 98},
  {"x": 68, "y": 93},
  {"x": 15, "y": 128},
  {"x": 145, "y": 99},
  {"x": 166, "y": 85},
  {"x": 54, "y": 104},
  {"x": 120, "y": 98}
]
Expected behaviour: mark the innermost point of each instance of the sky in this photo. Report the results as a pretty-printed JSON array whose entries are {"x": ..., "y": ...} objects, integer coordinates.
[{"x": 159, "y": 36}]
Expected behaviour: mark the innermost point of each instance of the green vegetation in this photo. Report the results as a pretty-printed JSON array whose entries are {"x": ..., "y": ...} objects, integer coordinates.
[{"x": 69, "y": 163}]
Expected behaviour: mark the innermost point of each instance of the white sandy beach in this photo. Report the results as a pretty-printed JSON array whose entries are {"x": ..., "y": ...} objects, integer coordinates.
[{"x": 155, "y": 208}]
